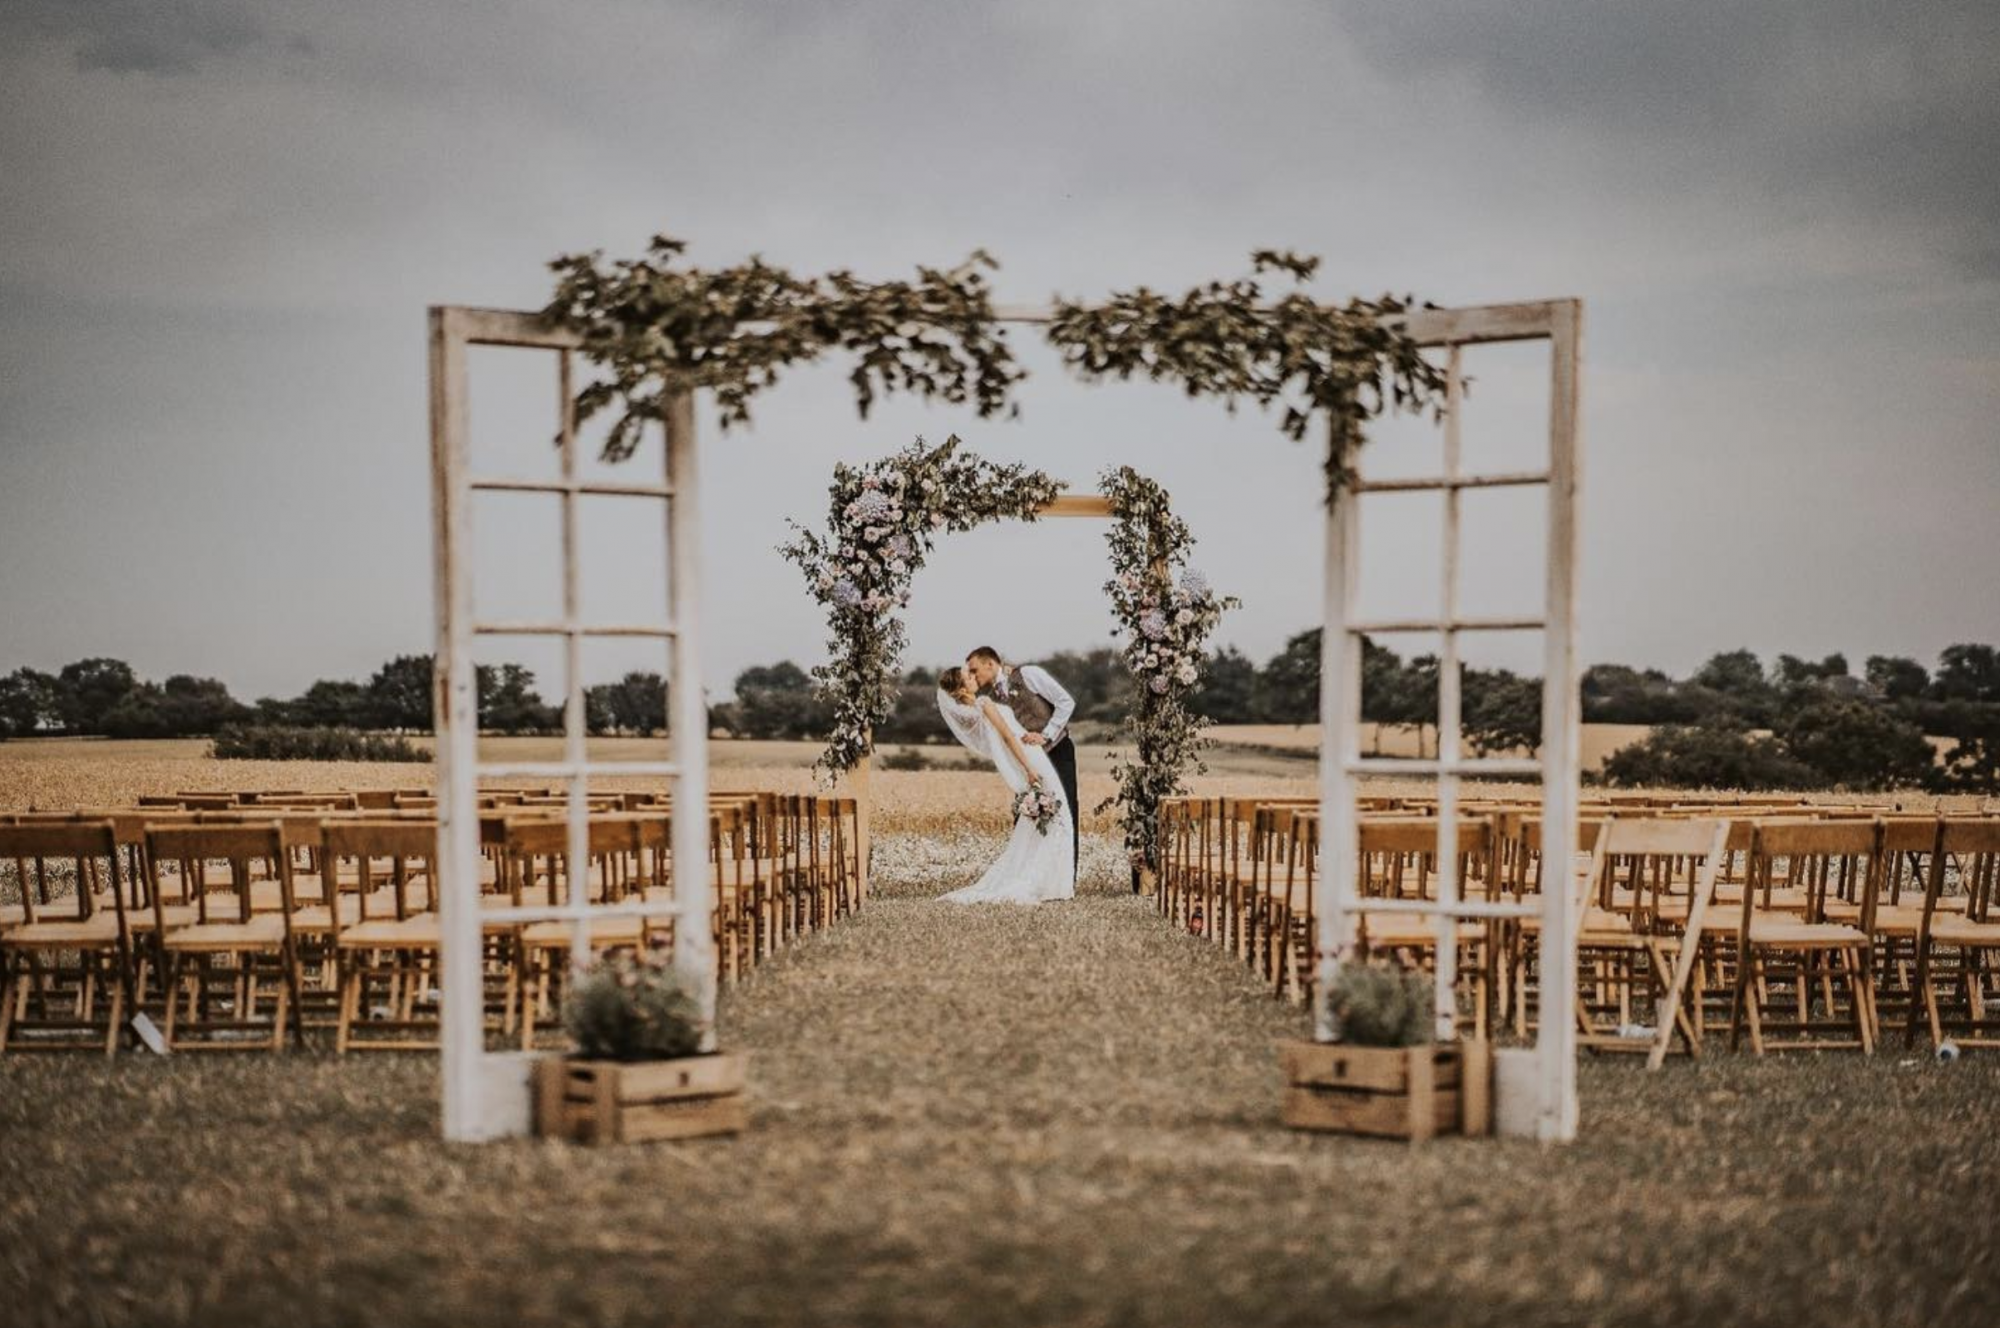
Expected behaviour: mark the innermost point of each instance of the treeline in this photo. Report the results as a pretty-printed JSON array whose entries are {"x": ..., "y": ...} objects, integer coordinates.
[
  {"x": 105, "y": 698},
  {"x": 1805, "y": 724},
  {"x": 1732, "y": 723}
]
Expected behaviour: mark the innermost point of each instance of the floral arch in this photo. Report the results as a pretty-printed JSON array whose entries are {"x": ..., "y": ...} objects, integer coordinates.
[{"x": 883, "y": 521}]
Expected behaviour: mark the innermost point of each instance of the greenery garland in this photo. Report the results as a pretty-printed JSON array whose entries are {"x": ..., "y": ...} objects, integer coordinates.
[
  {"x": 1229, "y": 340},
  {"x": 882, "y": 521},
  {"x": 1166, "y": 612},
  {"x": 660, "y": 329}
]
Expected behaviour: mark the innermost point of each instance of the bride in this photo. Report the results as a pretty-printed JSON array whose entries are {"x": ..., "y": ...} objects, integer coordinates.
[{"x": 1036, "y": 866}]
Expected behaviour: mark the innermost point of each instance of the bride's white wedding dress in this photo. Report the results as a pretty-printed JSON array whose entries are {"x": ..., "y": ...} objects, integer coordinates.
[{"x": 1035, "y": 867}]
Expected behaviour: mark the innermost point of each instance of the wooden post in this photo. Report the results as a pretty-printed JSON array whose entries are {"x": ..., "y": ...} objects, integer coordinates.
[
  {"x": 462, "y": 1034},
  {"x": 694, "y": 894},
  {"x": 1339, "y": 743},
  {"x": 864, "y": 812},
  {"x": 1561, "y": 728}
]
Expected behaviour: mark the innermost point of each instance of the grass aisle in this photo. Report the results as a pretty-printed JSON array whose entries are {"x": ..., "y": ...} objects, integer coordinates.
[{"x": 1062, "y": 1115}]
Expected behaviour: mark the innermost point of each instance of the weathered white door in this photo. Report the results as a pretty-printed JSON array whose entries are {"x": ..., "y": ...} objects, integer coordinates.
[{"x": 486, "y": 1095}]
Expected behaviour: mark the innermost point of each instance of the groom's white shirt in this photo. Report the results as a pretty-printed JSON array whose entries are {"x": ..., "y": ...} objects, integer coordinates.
[{"x": 1037, "y": 680}]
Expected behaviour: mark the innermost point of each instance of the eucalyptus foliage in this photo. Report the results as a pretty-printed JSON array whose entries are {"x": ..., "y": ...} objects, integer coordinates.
[
  {"x": 1166, "y": 612},
  {"x": 659, "y": 328},
  {"x": 882, "y": 521},
  {"x": 1233, "y": 340}
]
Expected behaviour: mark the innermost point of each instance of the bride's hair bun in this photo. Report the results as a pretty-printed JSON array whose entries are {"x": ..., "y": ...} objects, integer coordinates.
[{"x": 951, "y": 680}]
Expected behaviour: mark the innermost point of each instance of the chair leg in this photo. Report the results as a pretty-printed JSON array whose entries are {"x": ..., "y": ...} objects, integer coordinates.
[{"x": 117, "y": 1019}]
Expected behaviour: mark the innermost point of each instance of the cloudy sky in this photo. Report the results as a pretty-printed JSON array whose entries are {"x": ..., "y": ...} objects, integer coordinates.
[{"x": 221, "y": 222}]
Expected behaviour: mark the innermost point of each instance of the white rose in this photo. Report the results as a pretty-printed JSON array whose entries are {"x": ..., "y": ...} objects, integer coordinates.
[
  {"x": 1184, "y": 617},
  {"x": 1187, "y": 674}
]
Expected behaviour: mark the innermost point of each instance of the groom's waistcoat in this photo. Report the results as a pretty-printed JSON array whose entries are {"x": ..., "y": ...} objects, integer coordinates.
[{"x": 1031, "y": 708}]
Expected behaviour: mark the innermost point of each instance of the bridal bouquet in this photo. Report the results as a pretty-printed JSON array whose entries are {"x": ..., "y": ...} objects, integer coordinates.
[{"x": 1040, "y": 804}]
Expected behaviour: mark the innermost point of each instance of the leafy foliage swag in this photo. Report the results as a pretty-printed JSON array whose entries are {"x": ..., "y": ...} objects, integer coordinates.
[
  {"x": 882, "y": 522},
  {"x": 1166, "y": 623},
  {"x": 659, "y": 329}
]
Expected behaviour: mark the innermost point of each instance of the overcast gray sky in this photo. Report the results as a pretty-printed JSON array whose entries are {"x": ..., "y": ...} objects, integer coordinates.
[{"x": 220, "y": 223}]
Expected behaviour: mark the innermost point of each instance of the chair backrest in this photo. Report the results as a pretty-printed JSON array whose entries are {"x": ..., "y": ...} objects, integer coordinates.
[
  {"x": 1821, "y": 859},
  {"x": 1971, "y": 848},
  {"x": 193, "y": 847},
  {"x": 404, "y": 843},
  {"x": 1661, "y": 864},
  {"x": 80, "y": 843}
]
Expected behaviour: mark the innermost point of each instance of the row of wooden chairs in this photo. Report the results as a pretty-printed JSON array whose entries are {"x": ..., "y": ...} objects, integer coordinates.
[
  {"x": 1789, "y": 924},
  {"x": 253, "y": 924}
]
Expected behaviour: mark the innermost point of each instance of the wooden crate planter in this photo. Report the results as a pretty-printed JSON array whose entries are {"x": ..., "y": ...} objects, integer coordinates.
[
  {"x": 1412, "y": 1093},
  {"x": 628, "y": 1102}
]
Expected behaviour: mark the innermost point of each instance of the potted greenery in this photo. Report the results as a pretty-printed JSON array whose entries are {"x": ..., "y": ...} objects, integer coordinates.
[
  {"x": 1385, "y": 1076},
  {"x": 639, "y": 1072}
]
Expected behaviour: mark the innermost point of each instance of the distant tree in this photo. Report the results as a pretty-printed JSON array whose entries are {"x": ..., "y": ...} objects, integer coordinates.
[
  {"x": 1972, "y": 765},
  {"x": 399, "y": 695},
  {"x": 1096, "y": 678},
  {"x": 1967, "y": 673},
  {"x": 181, "y": 707},
  {"x": 88, "y": 689},
  {"x": 1227, "y": 692},
  {"x": 777, "y": 701},
  {"x": 1382, "y": 684},
  {"x": 1621, "y": 695},
  {"x": 1500, "y": 710},
  {"x": 1288, "y": 686},
  {"x": 30, "y": 702},
  {"x": 1682, "y": 756},
  {"x": 636, "y": 703},
  {"x": 916, "y": 717},
  {"x": 1791, "y": 671},
  {"x": 1855, "y": 745},
  {"x": 1898, "y": 678},
  {"x": 327, "y": 704},
  {"x": 1737, "y": 681},
  {"x": 508, "y": 703}
]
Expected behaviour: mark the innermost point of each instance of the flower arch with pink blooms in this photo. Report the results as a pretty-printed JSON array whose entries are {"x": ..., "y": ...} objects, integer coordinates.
[{"x": 883, "y": 521}]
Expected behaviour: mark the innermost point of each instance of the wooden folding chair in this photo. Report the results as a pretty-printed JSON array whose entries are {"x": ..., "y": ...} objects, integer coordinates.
[
  {"x": 65, "y": 967},
  {"x": 1971, "y": 849},
  {"x": 385, "y": 933},
  {"x": 1648, "y": 917},
  {"x": 233, "y": 969},
  {"x": 1787, "y": 952}
]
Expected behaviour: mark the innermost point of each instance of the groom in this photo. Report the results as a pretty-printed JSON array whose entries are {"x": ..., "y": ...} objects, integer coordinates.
[{"x": 1043, "y": 708}]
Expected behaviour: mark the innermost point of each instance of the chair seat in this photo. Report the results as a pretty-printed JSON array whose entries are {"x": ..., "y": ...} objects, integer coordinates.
[
  {"x": 603, "y": 931},
  {"x": 264, "y": 932},
  {"x": 317, "y": 919},
  {"x": 392, "y": 933},
  {"x": 1957, "y": 930},
  {"x": 78, "y": 933},
  {"x": 1405, "y": 929},
  {"x": 1897, "y": 920},
  {"x": 1784, "y": 934},
  {"x": 172, "y": 915}
]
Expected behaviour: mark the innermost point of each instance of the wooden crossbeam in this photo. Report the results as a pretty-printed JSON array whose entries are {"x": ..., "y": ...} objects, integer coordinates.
[{"x": 1079, "y": 504}]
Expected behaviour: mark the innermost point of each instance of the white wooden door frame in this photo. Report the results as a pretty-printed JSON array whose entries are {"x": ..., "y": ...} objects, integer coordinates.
[
  {"x": 486, "y": 1095},
  {"x": 1553, "y": 1078}
]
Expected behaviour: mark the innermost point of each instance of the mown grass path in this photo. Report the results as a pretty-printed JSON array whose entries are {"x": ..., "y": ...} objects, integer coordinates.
[{"x": 991, "y": 1116}]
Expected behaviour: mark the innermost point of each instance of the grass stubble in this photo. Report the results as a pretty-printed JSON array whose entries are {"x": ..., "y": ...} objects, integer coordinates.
[{"x": 996, "y": 1116}]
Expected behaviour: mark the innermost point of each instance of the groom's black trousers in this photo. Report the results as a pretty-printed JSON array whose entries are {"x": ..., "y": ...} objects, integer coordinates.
[{"x": 1063, "y": 757}]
